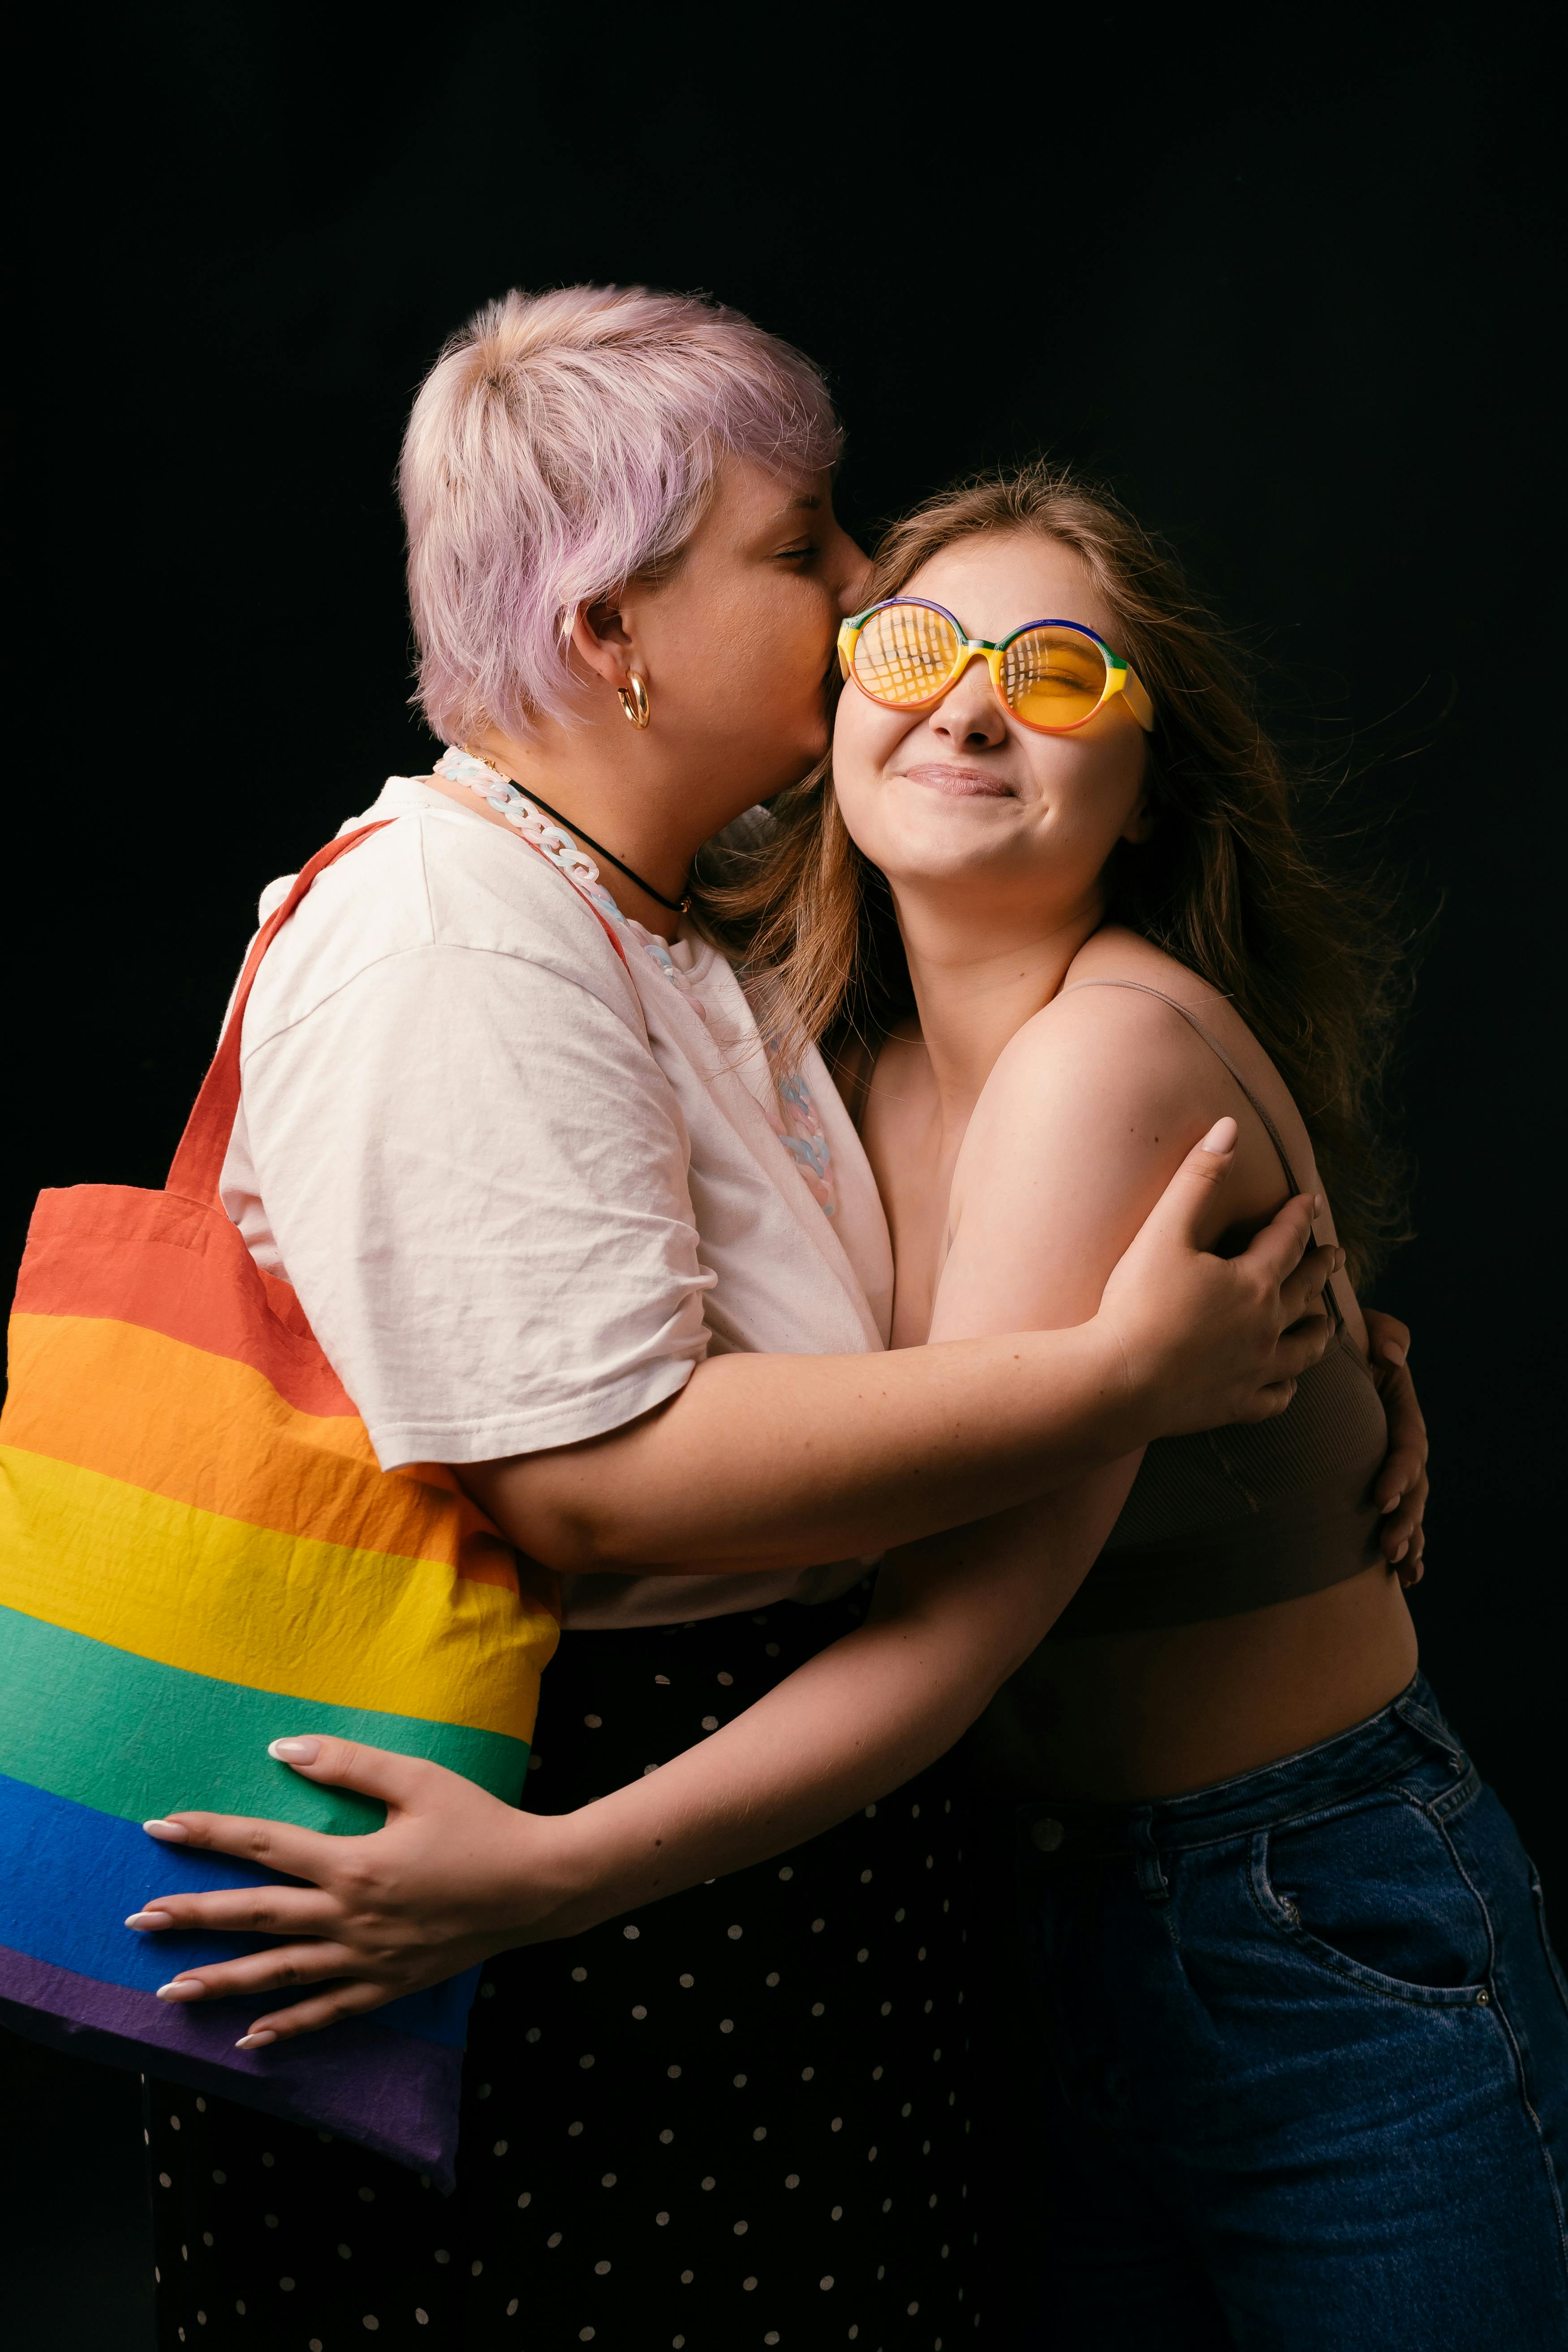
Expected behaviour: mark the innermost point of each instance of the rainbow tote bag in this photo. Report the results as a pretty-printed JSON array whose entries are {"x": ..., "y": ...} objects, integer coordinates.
[{"x": 198, "y": 1554}]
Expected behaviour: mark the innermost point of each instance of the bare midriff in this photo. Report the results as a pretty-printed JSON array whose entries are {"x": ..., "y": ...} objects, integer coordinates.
[{"x": 1119, "y": 1717}]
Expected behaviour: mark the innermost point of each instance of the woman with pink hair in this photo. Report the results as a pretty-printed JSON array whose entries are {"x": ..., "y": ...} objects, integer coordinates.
[{"x": 562, "y": 1219}]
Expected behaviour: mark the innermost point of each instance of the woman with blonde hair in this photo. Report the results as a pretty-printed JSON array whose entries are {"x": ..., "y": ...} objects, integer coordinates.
[
  {"x": 1296, "y": 2040},
  {"x": 565, "y": 1217}
]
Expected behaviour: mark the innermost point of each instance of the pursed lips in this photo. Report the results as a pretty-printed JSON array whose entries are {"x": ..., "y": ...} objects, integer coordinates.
[{"x": 958, "y": 783}]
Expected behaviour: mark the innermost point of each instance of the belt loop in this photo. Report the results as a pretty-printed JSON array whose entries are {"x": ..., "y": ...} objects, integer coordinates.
[
  {"x": 1430, "y": 1727},
  {"x": 1152, "y": 1884}
]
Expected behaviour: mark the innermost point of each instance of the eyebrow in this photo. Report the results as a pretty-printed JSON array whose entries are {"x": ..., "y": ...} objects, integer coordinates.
[{"x": 807, "y": 502}]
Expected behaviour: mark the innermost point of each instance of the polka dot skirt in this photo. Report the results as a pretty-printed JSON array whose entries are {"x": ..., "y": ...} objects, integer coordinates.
[{"x": 738, "y": 2118}]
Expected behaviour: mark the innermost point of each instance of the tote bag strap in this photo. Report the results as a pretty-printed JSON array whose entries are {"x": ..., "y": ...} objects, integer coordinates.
[{"x": 204, "y": 1147}]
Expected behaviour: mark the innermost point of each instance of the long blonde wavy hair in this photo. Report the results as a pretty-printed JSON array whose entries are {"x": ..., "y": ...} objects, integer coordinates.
[{"x": 1224, "y": 883}]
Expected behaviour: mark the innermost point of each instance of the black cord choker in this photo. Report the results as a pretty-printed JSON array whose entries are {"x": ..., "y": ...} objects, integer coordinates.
[
  {"x": 531, "y": 798},
  {"x": 676, "y": 906}
]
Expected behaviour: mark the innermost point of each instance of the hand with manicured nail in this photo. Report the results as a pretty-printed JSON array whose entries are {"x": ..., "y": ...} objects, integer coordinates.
[
  {"x": 1401, "y": 1488},
  {"x": 452, "y": 1877}
]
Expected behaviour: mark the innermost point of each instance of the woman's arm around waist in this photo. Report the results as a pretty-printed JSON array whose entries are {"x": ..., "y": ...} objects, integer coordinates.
[{"x": 455, "y": 1876}]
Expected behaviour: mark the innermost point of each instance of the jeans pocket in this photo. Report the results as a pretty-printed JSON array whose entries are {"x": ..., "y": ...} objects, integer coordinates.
[{"x": 1375, "y": 1891}]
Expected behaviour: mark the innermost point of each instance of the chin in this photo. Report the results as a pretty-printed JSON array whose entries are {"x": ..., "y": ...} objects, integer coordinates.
[
  {"x": 958, "y": 837},
  {"x": 925, "y": 864}
]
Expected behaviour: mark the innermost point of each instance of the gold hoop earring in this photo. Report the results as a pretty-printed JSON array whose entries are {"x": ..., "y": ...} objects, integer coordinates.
[{"x": 633, "y": 699}]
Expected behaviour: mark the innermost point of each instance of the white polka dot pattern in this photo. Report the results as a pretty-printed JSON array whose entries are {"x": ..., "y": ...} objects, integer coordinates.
[{"x": 703, "y": 2127}]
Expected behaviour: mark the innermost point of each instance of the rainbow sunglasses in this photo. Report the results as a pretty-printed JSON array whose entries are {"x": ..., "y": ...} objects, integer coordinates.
[{"x": 1053, "y": 676}]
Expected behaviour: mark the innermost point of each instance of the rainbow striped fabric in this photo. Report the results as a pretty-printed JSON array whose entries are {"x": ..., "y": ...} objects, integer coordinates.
[{"x": 198, "y": 1554}]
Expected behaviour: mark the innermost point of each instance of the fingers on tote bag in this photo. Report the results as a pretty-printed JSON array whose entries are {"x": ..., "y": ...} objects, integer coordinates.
[{"x": 198, "y": 1554}]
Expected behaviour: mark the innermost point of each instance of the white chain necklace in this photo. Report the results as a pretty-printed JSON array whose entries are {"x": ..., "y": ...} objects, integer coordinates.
[
  {"x": 553, "y": 840},
  {"x": 798, "y": 1125}
]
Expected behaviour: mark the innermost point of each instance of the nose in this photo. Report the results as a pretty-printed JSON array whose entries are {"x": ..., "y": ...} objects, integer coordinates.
[
  {"x": 849, "y": 572},
  {"x": 969, "y": 717}
]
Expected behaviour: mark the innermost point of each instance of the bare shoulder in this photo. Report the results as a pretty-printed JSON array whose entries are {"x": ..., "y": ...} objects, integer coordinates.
[
  {"x": 1116, "y": 967},
  {"x": 1161, "y": 1036},
  {"x": 1111, "y": 1041},
  {"x": 1118, "y": 978}
]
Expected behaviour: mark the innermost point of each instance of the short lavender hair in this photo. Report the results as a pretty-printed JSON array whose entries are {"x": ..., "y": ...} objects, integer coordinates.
[{"x": 562, "y": 445}]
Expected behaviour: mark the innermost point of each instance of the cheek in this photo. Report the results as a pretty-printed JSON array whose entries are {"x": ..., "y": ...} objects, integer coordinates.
[
  {"x": 1095, "y": 787},
  {"x": 772, "y": 657},
  {"x": 786, "y": 614},
  {"x": 729, "y": 634},
  {"x": 864, "y": 740}
]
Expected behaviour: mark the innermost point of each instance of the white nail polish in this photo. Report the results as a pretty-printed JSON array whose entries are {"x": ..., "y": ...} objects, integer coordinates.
[
  {"x": 294, "y": 1752},
  {"x": 149, "y": 1919},
  {"x": 172, "y": 1832},
  {"x": 181, "y": 1989},
  {"x": 255, "y": 2041}
]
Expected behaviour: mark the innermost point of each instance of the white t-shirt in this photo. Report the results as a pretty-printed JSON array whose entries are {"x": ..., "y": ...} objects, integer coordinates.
[{"x": 523, "y": 1183}]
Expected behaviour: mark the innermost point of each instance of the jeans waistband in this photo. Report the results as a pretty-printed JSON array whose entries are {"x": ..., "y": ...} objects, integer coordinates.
[{"x": 1409, "y": 1729}]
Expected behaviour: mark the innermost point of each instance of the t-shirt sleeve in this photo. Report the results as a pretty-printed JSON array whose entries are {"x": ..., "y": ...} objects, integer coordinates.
[{"x": 476, "y": 1176}]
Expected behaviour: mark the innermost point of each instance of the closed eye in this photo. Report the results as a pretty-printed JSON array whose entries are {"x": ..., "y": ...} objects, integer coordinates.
[{"x": 797, "y": 554}]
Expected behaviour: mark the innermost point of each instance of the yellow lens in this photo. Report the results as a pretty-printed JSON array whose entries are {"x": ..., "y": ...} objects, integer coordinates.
[
  {"x": 905, "y": 653},
  {"x": 1053, "y": 678}
]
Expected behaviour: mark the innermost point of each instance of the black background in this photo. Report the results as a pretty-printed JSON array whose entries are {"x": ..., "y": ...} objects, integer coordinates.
[{"x": 1285, "y": 278}]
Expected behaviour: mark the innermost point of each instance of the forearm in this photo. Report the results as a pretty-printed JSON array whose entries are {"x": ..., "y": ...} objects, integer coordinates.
[
  {"x": 953, "y": 1619},
  {"x": 860, "y": 1720},
  {"x": 770, "y": 1461}
]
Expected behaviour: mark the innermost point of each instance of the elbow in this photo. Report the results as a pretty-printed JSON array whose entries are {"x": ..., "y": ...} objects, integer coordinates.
[
  {"x": 583, "y": 1509},
  {"x": 562, "y": 1529},
  {"x": 572, "y": 1543}
]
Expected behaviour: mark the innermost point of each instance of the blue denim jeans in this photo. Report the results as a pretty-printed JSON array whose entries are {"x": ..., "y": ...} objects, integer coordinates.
[{"x": 1306, "y": 2046}]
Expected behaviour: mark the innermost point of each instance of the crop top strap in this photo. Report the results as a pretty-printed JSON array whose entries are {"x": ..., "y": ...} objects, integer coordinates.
[{"x": 1211, "y": 1042}]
